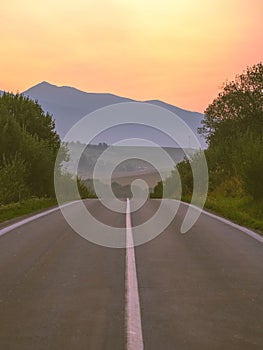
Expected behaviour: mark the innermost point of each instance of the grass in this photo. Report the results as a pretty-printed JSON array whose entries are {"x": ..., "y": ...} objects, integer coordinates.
[
  {"x": 13, "y": 210},
  {"x": 242, "y": 210}
]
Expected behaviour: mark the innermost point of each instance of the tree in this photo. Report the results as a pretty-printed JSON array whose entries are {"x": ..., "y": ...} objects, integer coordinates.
[
  {"x": 248, "y": 160},
  {"x": 28, "y": 144},
  {"x": 84, "y": 190},
  {"x": 158, "y": 191},
  {"x": 13, "y": 174},
  {"x": 239, "y": 107},
  {"x": 233, "y": 127}
]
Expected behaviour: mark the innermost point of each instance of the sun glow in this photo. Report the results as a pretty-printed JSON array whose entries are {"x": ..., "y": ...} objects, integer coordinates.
[{"x": 177, "y": 51}]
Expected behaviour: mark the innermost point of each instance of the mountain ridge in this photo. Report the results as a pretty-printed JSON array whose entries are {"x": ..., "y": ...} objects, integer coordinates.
[
  {"x": 68, "y": 105},
  {"x": 153, "y": 101}
]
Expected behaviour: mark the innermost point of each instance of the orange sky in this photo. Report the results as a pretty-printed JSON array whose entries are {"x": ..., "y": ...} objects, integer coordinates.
[{"x": 179, "y": 51}]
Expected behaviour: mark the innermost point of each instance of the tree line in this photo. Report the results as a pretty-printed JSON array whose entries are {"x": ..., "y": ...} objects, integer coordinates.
[
  {"x": 233, "y": 129},
  {"x": 28, "y": 149},
  {"x": 29, "y": 146}
]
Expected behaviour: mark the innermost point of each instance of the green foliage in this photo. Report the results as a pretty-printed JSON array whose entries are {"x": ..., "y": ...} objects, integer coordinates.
[
  {"x": 28, "y": 149},
  {"x": 185, "y": 172},
  {"x": 181, "y": 181},
  {"x": 84, "y": 190},
  {"x": 67, "y": 191},
  {"x": 230, "y": 188},
  {"x": 233, "y": 127},
  {"x": 248, "y": 160},
  {"x": 242, "y": 210},
  {"x": 238, "y": 108},
  {"x": 158, "y": 191},
  {"x": 13, "y": 174},
  {"x": 26, "y": 206}
]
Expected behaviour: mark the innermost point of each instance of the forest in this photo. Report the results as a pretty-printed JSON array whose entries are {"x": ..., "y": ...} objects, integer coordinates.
[
  {"x": 233, "y": 129},
  {"x": 28, "y": 149}
]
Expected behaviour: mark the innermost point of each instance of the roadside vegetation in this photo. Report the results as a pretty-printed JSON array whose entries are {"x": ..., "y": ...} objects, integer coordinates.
[
  {"x": 28, "y": 149},
  {"x": 27, "y": 206},
  {"x": 233, "y": 128}
]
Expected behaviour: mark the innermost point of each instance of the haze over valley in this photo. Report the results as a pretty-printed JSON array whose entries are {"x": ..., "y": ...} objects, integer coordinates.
[{"x": 68, "y": 105}]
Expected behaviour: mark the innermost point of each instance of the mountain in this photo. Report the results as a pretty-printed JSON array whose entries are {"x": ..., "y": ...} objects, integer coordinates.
[
  {"x": 68, "y": 105},
  {"x": 192, "y": 119}
]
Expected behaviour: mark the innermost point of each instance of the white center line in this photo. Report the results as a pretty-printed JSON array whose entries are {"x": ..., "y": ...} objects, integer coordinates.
[{"x": 132, "y": 312}]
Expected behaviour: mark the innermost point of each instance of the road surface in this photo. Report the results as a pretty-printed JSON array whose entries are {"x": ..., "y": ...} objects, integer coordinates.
[{"x": 202, "y": 290}]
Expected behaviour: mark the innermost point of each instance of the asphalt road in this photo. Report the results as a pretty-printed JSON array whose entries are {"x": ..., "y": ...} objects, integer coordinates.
[{"x": 202, "y": 290}]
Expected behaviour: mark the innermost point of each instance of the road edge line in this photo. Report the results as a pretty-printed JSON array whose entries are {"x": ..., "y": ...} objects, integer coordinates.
[
  {"x": 22, "y": 222},
  {"x": 243, "y": 229}
]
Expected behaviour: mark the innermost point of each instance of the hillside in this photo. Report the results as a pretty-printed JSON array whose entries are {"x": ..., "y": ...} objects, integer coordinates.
[
  {"x": 128, "y": 170},
  {"x": 68, "y": 105}
]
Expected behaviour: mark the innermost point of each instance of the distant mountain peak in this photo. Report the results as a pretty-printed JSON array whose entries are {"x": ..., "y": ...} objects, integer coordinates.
[
  {"x": 68, "y": 105},
  {"x": 43, "y": 83}
]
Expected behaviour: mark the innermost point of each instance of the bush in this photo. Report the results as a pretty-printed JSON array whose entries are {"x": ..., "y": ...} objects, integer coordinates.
[
  {"x": 158, "y": 191},
  {"x": 28, "y": 149},
  {"x": 13, "y": 174},
  {"x": 248, "y": 160}
]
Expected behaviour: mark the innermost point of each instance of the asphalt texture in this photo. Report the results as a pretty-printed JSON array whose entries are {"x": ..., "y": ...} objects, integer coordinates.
[
  {"x": 59, "y": 291},
  {"x": 201, "y": 290}
]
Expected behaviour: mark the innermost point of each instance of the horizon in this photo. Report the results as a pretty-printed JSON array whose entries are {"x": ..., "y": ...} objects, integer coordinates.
[
  {"x": 177, "y": 52},
  {"x": 95, "y": 93}
]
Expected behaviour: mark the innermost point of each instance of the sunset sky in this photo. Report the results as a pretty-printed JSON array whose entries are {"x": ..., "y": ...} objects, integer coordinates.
[{"x": 179, "y": 51}]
